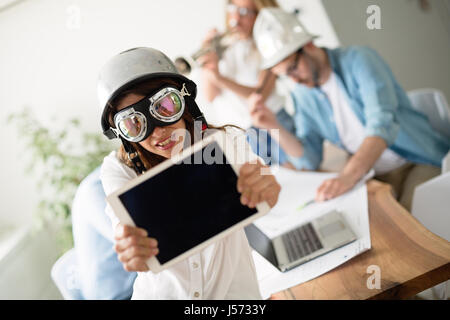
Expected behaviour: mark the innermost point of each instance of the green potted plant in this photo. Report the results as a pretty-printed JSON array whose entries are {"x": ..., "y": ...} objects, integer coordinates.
[{"x": 60, "y": 159}]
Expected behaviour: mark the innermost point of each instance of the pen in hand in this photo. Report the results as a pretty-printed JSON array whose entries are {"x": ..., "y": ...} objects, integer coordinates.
[
  {"x": 306, "y": 204},
  {"x": 368, "y": 176}
]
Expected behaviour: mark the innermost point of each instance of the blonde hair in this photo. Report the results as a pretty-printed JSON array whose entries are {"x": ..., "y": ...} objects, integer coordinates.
[
  {"x": 262, "y": 3},
  {"x": 265, "y": 4}
]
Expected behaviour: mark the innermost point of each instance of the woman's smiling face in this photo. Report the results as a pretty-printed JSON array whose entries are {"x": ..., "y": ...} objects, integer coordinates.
[{"x": 163, "y": 140}]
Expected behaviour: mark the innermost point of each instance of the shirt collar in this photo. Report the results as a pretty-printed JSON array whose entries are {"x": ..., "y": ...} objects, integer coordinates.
[{"x": 333, "y": 59}]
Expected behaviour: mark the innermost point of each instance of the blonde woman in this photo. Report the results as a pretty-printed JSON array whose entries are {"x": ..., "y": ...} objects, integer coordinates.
[{"x": 228, "y": 82}]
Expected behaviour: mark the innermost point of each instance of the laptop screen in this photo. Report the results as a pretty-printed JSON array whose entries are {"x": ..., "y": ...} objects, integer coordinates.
[
  {"x": 261, "y": 243},
  {"x": 187, "y": 203}
]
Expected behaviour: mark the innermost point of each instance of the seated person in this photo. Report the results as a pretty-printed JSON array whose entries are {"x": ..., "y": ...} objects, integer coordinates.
[
  {"x": 99, "y": 273},
  {"x": 350, "y": 97}
]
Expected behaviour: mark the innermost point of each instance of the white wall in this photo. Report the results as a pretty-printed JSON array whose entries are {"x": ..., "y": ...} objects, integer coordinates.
[{"x": 415, "y": 43}]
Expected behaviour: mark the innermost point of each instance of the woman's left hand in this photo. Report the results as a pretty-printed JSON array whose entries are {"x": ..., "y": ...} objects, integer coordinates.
[{"x": 256, "y": 184}]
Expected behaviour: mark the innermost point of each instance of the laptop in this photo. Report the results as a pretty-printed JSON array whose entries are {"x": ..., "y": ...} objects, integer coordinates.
[{"x": 302, "y": 243}]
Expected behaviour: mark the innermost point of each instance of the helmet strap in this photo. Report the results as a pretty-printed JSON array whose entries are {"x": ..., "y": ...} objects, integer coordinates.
[
  {"x": 133, "y": 156},
  {"x": 195, "y": 112}
]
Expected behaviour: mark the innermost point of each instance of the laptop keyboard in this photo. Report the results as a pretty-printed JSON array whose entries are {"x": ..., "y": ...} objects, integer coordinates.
[{"x": 301, "y": 241}]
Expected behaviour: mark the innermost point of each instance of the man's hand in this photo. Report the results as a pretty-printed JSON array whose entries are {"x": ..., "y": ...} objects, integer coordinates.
[
  {"x": 359, "y": 164},
  {"x": 333, "y": 188},
  {"x": 261, "y": 116},
  {"x": 133, "y": 247},
  {"x": 256, "y": 185}
]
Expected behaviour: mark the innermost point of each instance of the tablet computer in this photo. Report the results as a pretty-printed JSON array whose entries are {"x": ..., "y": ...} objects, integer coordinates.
[{"x": 188, "y": 201}]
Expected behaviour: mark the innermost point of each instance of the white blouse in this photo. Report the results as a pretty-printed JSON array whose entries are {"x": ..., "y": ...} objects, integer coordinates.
[
  {"x": 240, "y": 63},
  {"x": 223, "y": 270}
]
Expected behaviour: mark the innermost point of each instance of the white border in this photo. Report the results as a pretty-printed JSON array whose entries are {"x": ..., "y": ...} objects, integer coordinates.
[{"x": 125, "y": 218}]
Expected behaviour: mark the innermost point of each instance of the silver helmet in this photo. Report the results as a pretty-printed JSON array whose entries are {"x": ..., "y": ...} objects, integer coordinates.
[{"x": 131, "y": 66}]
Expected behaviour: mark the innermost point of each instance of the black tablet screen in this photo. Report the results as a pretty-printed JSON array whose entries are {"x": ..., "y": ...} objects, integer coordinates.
[{"x": 187, "y": 204}]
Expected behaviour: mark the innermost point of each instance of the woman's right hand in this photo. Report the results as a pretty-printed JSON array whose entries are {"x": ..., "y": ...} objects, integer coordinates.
[
  {"x": 134, "y": 247},
  {"x": 209, "y": 36},
  {"x": 209, "y": 61}
]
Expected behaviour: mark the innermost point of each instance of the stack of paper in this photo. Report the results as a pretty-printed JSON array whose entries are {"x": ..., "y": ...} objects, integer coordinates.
[{"x": 297, "y": 188}]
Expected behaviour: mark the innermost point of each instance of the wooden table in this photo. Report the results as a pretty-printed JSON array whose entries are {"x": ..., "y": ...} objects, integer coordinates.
[{"x": 411, "y": 258}]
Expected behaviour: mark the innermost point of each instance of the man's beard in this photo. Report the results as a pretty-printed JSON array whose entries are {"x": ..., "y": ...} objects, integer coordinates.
[{"x": 314, "y": 69}]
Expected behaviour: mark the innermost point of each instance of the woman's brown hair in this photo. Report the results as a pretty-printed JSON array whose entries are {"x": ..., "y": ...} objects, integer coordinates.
[{"x": 145, "y": 88}]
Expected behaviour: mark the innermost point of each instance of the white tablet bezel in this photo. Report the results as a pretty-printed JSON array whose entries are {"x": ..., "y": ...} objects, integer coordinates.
[{"x": 229, "y": 152}]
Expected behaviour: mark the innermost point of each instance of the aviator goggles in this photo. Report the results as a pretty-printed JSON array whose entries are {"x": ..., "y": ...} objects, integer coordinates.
[{"x": 137, "y": 121}]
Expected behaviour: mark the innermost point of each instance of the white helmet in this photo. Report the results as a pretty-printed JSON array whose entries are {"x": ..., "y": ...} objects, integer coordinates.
[{"x": 278, "y": 34}]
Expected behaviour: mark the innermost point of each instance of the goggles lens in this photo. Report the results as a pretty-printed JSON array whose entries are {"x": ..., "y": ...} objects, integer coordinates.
[
  {"x": 132, "y": 127},
  {"x": 164, "y": 107},
  {"x": 168, "y": 106}
]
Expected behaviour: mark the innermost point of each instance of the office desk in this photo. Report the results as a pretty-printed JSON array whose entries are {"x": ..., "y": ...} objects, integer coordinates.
[{"x": 410, "y": 258}]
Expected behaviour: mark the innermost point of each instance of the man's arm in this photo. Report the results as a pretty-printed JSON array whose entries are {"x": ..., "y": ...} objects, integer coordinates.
[
  {"x": 265, "y": 119},
  {"x": 304, "y": 149},
  {"x": 358, "y": 165},
  {"x": 364, "y": 158},
  {"x": 288, "y": 142}
]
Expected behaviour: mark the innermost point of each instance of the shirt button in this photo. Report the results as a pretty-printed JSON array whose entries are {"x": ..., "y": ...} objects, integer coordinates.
[
  {"x": 196, "y": 294},
  {"x": 195, "y": 265}
]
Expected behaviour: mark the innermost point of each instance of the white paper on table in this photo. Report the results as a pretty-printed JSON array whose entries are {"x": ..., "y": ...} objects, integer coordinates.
[{"x": 296, "y": 189}]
